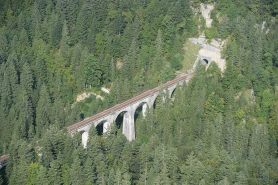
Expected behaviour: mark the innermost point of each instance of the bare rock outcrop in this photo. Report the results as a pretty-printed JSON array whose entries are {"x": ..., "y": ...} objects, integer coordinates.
[{"x": 205, "y": 10}]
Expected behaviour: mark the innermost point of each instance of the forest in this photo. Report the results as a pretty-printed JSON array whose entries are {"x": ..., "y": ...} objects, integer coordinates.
[{"x": 220, "y": 128}]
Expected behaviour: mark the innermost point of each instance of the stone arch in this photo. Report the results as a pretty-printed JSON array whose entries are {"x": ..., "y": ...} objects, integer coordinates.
[
  {"x": 106, "y": 126},
  {"x": 142, "y": 107},
  {"x": 172, "y": 93},
  {"x": 128, "y": 124},
  {"x": 159, "y": 96},
  {"x": 151, "y": 100},
  {"x": 119, "y": 119},
  {"x": 85, "y": 137},
  {"x": 102, "y": 127},
  {"x": 171, "y": 90}
]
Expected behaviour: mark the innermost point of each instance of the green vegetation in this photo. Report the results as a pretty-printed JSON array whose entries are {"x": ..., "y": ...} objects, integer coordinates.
[
  {"x": 191, "y": 51},
  {"x": 50, "y": 51},
  {"x": 210, "y": 133}
]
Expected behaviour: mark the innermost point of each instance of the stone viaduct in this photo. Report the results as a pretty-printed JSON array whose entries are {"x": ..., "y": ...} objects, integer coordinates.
[{"x": 128, "y": 109}]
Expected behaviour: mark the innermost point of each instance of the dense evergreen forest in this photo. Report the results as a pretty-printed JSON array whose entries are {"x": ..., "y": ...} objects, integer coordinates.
[{"x": 220, "y": 128}]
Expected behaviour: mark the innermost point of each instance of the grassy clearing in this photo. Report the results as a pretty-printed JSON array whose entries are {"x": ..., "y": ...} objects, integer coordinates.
[{"x": 190, "y": 55}]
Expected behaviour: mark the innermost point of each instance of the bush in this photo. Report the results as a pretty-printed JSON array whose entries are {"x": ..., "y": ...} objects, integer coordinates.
[
  {"x": 176, "y": 62},
  {"x": 209, "y": 34}
]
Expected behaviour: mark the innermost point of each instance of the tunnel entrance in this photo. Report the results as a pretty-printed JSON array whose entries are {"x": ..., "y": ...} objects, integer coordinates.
[{"x": 205, "y": 61}]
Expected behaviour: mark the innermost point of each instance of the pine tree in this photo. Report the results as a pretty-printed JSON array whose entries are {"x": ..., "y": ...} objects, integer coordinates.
[
  {"x": 241, "y": 178},
  {"x": 35, "y": 17},
  {"x": 225, "y": 181},
  {"x": 65, "y": 40},
  {"x": 43, "y": 113},
  {"x": 144, "y": 175},
  {"x": 82, "y": 25},
  {"x": 168, "y": 29},
  {"x": 89, "y": 172},
  {"x": 126, "y": 179},
  {"x": 3, "y": 46},
  {"x": 77, "y": 172},
  {"x": 55, "y": 30},
  {"x": 273, "y": 146},
  {"x": 58, "y": 114},
  {"x": 101, "y": 169},
  {"x": 32, "y": 173},
  {"x": 23, "y": 44},
  {"x": 266, "y": 104},
  {"x": 26, "y": 76},
  {"x": 24, "y": 105},
  {"x": 158, "y": 60},
  {"x": 118, "y": 177},
  {"x": 92, "y": 73},
  {"x": 12, "y": 74},
  {"x": 164, "y": 175},
  {"x": 55, "y": 173},
  {"x": 66, "y": 176},
  {"x": 111, "y": 177},
  {"x": 273, "y": 120},
  {"x": 71, "y": 14},
  {"x": 42, "y": 177}
]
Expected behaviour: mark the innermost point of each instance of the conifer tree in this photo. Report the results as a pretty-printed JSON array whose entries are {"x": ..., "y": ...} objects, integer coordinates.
[
  {"x": 118, "y": 177},
  {"x": 225, "y": 181},
  {"x": 24, "y": 106},
  {"x": 55, "y": 173},
  {"x": 111, "y": 177},
  {"x": 43, "y": 113},
  {"x": 42, "y": 177},
  {"x": 3, "y": 46},
  {"x": 158, "y": 60},
  {"x": 89, "y": 172},
  {"x": 32, "y": 173},
  {"x": 35, "y": 17},
  {"x": 76, "y": 172},
  {"x": 92, "y": 73},
  {"x": 12, "y": 74},
  {"x": 82, "y": 25},
  {"x": 65, "y": 40}
]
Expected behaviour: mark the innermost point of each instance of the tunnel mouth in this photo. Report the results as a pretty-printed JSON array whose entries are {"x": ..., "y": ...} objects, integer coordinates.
[{"x": 205, "y": 61}]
